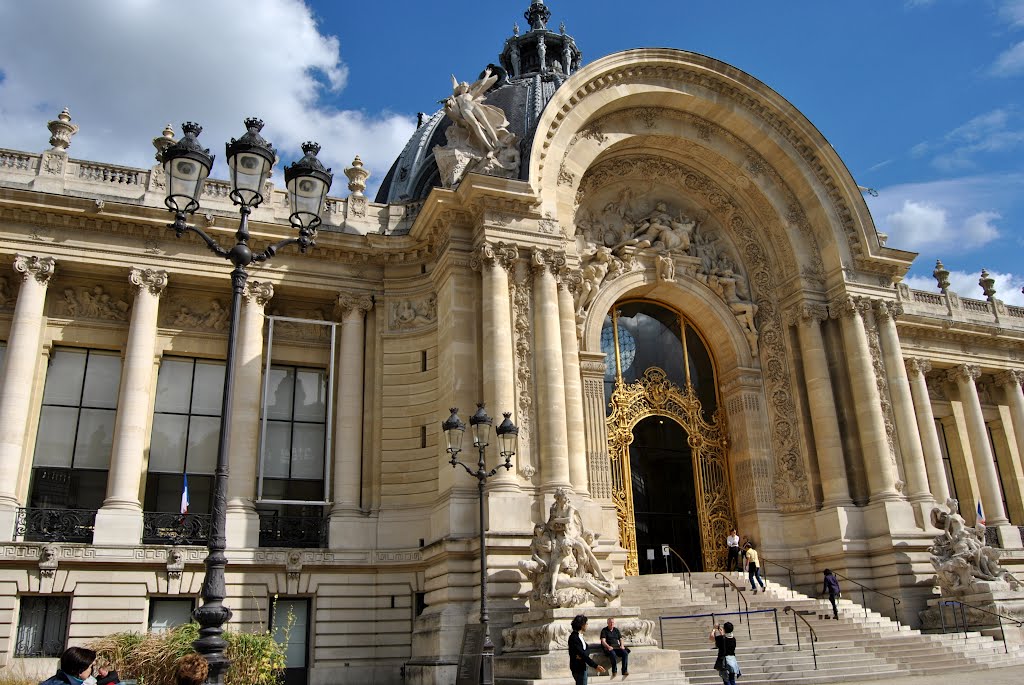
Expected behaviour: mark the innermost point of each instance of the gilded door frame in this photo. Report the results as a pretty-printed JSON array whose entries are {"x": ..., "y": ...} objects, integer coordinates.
[{"x": 655, "y": 395}]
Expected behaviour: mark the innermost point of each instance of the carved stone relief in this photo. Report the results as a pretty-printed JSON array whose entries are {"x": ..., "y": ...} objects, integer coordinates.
[
  {"x": 295, "y": 330},
  {"x": 91, "y": 302},
  {"x": 417, "y": 312},
  {"x": 186, "y": 313},
  {"x": 521, "y": 292}
]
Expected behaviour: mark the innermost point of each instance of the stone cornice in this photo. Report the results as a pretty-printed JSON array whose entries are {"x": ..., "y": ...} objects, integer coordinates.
[{"x": 32, "y": 208}]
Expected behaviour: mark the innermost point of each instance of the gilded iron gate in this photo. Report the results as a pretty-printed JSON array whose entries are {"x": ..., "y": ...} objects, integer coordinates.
[{"x": 656, "y": 395}]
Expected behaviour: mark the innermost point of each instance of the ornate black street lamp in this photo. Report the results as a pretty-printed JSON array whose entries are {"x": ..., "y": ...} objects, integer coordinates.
[
  {"x": 250, "y": 159},
  {"x": 480, "y": 425}
]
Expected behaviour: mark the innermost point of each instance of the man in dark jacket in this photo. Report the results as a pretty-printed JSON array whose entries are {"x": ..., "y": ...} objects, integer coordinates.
[
  {"x": 76, "y": 664},
  {"x": 831, "y": 586}
]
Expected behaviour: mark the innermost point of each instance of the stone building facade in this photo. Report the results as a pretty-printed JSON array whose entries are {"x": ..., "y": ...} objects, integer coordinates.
[{"x": 662, "y": 203}]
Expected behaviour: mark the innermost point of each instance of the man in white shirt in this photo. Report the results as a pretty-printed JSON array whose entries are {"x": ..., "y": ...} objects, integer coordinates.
[{"x": 733, "y": 543}]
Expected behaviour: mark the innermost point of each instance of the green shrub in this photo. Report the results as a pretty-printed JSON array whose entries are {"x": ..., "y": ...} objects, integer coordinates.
[{"x": 150, "y": 658}]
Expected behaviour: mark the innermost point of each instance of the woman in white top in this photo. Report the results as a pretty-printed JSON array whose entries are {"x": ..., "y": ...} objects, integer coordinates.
[{"x": 578, "y": 657}]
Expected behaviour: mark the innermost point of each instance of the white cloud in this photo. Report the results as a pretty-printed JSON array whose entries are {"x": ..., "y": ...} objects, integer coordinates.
[
  {"x": 1008, "y": 286},
  {"x": 993, "y": 132},
  {"x": 956, "y": 214},
  {"x": 1010, "y": 62},
  {"x": 125, "y": 68},
  {"x": 1013, "y": 12}
]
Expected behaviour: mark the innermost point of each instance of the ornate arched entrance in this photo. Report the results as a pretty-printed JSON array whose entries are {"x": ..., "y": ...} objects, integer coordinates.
[{"x": 659, "y": 366}]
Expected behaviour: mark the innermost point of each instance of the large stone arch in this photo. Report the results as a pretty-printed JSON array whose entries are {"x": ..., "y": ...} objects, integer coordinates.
[{"x": 824, "y": 201}]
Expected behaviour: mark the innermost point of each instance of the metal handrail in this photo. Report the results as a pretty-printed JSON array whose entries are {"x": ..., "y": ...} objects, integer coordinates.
[
  {"x": 796, "y": 629},
  {"x": 739, "y": 593},
  {"x": 963, "y": 615},
  {"x": 863, "y": 600},
  {"x": 714, "y": 616},
  {"x": 792, "y": 585},
  {"x": 689, "y": 573}
]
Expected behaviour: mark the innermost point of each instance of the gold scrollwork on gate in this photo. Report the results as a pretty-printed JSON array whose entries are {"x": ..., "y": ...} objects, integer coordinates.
[{"x": 656, "y": 395}]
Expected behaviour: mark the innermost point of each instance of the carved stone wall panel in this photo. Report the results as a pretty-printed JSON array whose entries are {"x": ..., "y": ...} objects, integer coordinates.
[
  {"x": 94, "y": 302},
  {"x": 311, "y": 332},
  {"x": 406, "y": 314},
  {"x": 521, "y": 294},
  {"x": 195, "y": 312}
]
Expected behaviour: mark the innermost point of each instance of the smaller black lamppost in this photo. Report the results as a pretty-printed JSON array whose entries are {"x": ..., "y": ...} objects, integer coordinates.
[
  {"x": 250, "y": 159},
  {"x": 507, "y": 432}
]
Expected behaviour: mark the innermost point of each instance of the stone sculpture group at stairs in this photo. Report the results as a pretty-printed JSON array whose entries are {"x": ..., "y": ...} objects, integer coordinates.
[{"x": 861, "y": 645}]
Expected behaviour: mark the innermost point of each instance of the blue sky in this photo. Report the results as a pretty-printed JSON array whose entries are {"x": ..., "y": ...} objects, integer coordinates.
[{"x": 923, "y": 99}]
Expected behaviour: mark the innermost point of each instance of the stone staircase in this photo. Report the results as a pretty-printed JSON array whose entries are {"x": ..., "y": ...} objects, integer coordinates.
[{"x": 861, "y": 645}]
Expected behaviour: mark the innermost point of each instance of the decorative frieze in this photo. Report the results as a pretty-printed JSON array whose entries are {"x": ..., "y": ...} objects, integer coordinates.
[
  {"x": 186, "y": 313},
  {"x": 91, "y": 303}
]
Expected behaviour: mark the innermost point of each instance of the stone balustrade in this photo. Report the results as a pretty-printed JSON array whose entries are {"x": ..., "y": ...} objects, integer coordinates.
[{"x": 952, "y": 306}]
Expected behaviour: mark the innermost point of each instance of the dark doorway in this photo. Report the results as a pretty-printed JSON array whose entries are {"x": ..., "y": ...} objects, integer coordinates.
[{"x": 664, "y": 498}]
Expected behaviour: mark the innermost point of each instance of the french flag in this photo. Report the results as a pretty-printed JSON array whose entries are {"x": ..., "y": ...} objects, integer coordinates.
[
  {"x": 980, "y": 521},
  {"x": 184, "y": 497}
]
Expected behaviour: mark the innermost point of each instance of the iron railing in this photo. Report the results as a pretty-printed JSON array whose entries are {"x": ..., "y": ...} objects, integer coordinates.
[
  {"x": 169, "y": 528},
  {"x": 955, "y": 604},
  {"x": 863, "y": 599},
  {"x": 36, "y": 524},
  {"x": 796, "y": 629},
  {"x": 292, "y": 531},
  {"x": 717, "y": 615},
  {"x": 792, "y": 582},
  {"x": 689, "y": 573}
]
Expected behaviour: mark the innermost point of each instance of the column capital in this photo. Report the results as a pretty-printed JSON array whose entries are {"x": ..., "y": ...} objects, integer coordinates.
[
  {"x": 570, "y": 279},
  {"x": 547, "y": 259},
  {"x": 886, "y": 309},
  {"x": 258, "y": 292},
  {"x": 806, "y": 313},
  {"x": 1011, "y": 377},
  {"x": 39, "y": 268},
  {"x": 353, "y": 303},
  {"x": 967, "y": 373},
  {"x": 917, "y": 365},
  {"x": 847, "y": 306},
  {"x": 152, "y": 280},
  {"x": 494, "y": 255}
]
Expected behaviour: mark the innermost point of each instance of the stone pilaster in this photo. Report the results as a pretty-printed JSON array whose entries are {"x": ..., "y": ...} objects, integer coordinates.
[
  {"x": 568, "y": 285},
  {"x": 348, "y": 432},
  {"x": 965, "y": 376},
  {"x": 243, "y": 524},
  {"x": 907, "y": 430},
  {"x": 821, "y": 400},
  {"x": 551, "y": 417},
  {"x": 119, "y": 520},
  {"x": 878, "y": 461},
  {"x": 930, "y": 445},
  {"x": 18, "y": 379},
  {"x": 496, "y": 262}
]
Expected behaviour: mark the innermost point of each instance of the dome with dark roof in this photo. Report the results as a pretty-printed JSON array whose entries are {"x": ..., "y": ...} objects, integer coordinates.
[{"x": 532, "y": 67}]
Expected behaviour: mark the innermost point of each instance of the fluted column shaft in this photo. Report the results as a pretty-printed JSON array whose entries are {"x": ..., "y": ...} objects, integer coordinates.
[
  {"x": 18, "y": 378},
  {"x": 1011, "y": 381},
  {"x": 575, "y": 428},
  {"x": 874, "y": 442},
  {"x": 964, "y": 376},
  {"x": 827, "y": 440},
  {"x": 134, "y": 400},
  {"x": 551, "y": 417},
  {"x": 495, "y": 262},
  {"x": 907, "y": 429},
  {"x": 930, "y": 445},
  {"x": 244, "y": 415},
  {"x": 348, "y": 434}
]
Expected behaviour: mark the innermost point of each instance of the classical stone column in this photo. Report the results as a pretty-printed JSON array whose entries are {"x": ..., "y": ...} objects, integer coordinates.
[
  {"x": 930, "y": 445},
  {"x": 18, "y": 379},
  {"x": 964, "y": 376},
  {"x": 1010, "y": 381},
  {"x": 821, "y": 400},
  {"x": 496, "y": 262},
  {"x": 119, "y": 520},
  {"x": 243, "y": 523},
  {"x": 348, "y": 431},
  {"x": 568, "y": 282},
  {"x": 551, "y": 418},
  {"x": 878, "y": 462},
  {"x": 902, "y": 403}
]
